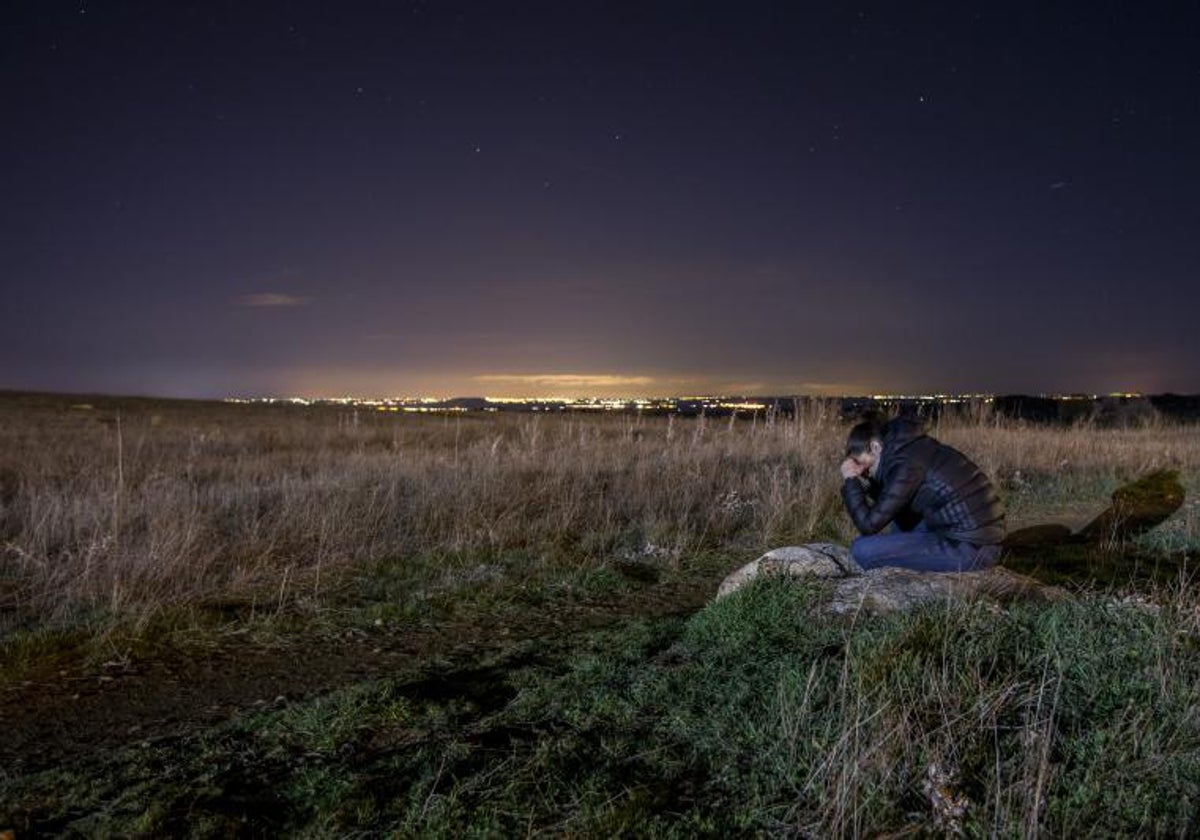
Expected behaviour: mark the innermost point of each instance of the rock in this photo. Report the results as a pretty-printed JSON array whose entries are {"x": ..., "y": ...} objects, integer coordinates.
[
  {"x": 824, "y": 560},
  {"x": 1136, "y": 508},
  {"x": 888, "y": 589},
  {"x": 1104, "y": 552}
]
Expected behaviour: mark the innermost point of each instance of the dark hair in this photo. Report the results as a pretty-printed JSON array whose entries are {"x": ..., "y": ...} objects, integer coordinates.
[{"x": 869, "y": 427}]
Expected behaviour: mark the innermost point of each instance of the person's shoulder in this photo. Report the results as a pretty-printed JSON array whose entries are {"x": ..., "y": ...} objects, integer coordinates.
[
  {"x": 901, "y": 432},
  {"x": 914, "y": 453},
  {"x": 949, "y": 455}
]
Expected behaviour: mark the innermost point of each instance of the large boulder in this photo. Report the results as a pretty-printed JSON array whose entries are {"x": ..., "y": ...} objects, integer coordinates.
[{"x": 887, "y": 589}]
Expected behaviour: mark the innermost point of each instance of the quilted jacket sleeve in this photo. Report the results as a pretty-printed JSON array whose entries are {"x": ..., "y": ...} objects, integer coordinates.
[{"x": 897, "y": 492}]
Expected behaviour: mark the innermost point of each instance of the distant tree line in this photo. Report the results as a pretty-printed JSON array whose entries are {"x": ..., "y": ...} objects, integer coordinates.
[{"x": 1115, "y": 411}]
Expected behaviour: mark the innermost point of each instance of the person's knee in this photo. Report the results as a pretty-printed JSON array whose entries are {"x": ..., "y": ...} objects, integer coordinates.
[
  {"x": 987, "y": 556},
  {"x": 862, "y": 550}
]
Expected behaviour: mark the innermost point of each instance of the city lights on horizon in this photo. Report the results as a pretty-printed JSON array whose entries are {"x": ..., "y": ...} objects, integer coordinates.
[
  {"x": 707, "y": 402},
  {"x": 559, "y": 398}
]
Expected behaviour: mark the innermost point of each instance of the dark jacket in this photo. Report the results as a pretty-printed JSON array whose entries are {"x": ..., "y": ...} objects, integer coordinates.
[{"x": 920, "y": 478}]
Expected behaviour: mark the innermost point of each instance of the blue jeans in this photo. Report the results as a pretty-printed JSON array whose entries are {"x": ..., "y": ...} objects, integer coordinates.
[{"x": 922, "y": 550}]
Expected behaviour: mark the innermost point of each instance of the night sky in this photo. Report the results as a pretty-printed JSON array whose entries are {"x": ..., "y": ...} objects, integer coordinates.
[{"x": 446, "y": 198}]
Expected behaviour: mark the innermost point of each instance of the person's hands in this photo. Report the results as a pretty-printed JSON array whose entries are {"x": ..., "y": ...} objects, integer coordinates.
[{"x": 851, "y": 468}]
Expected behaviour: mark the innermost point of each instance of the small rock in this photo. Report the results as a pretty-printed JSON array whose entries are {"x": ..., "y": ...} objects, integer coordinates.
[
  {"x": 653, "y": 551},
  {"x": 948, "y": 804}
]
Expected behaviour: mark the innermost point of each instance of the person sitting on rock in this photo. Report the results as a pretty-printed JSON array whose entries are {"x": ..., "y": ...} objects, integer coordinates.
[{"x": 944, "y": 512}]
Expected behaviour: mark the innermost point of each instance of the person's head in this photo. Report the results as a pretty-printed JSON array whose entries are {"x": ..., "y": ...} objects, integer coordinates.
[{"x": 865, "y": 443}]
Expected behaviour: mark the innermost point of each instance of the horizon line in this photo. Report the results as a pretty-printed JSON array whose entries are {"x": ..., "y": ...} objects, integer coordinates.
[{"x": 559, "y": 398}]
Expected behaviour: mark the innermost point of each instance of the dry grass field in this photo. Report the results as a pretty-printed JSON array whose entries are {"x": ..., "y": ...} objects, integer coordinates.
[
  {"x": 227, "y": 620},
  {"x": 129, "y": 507}
]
